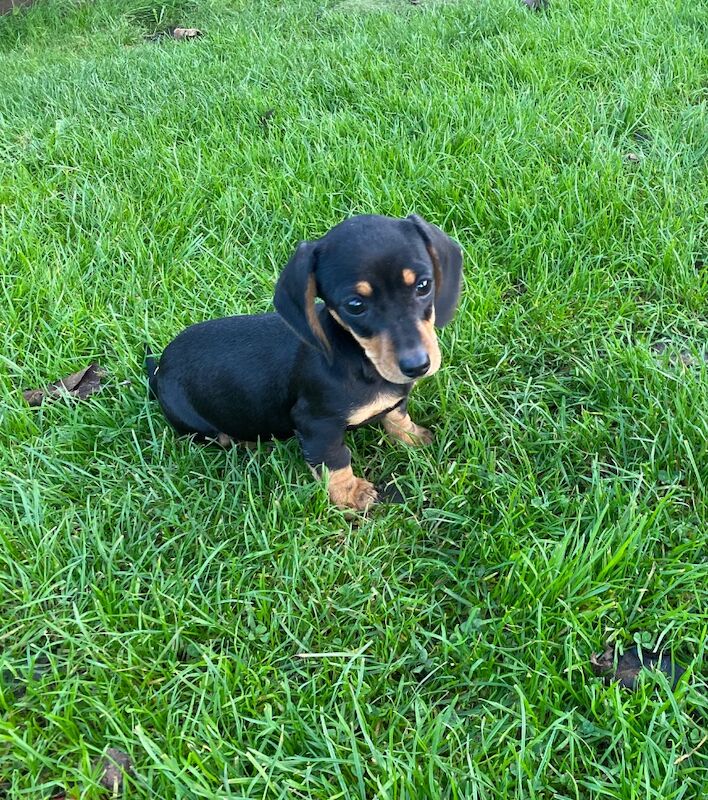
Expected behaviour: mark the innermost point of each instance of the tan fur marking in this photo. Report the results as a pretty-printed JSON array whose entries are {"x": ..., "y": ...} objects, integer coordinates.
[
  {"x": 380, "y": 351},
  {"x": 382, "y": 354},
  {"x": 377, "y": 406},
  {"x": 430, "y": 343},
  {"x": 312, "y": 318},
  {"x": 348, "y": 491},
  {"x": 364, "y": 288},
  {"x": 400, "y": 426},
  {"x": 408, "y": 277}
]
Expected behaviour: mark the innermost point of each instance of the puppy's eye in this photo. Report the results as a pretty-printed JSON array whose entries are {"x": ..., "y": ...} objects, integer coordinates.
[
  {"x": 355, "y": 306},
  {"x": 423, "y": 287}
]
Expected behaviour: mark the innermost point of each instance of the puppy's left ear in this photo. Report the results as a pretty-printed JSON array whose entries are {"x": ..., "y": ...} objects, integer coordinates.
[
  {"x": 446, "y": 256},
  {"x": 295, "y": 295}
]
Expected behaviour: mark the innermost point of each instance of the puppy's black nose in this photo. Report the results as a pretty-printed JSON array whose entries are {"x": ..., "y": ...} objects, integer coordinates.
[{"x": 414, "y": 363}]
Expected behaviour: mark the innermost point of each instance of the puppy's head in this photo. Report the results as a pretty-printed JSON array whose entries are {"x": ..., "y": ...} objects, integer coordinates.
[{"x": 389, "y": 282}]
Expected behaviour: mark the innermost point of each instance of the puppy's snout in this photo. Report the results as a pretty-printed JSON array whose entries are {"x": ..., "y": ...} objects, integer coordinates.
[{"x": 414, "y": 363}]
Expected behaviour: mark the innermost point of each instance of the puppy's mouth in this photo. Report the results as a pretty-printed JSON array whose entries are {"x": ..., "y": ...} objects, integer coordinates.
[{"x": 382, "y": 353}]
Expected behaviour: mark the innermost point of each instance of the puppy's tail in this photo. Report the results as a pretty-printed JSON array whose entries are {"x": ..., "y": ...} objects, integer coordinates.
[{"x": 151, "y": 369}]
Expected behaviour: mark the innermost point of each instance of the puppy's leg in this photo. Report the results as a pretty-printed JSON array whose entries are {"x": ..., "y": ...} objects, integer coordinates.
[
  {"x": 323, "y": 445},
  {"x": 348, "y": 491},
  {"x": 399, "y": 425}
]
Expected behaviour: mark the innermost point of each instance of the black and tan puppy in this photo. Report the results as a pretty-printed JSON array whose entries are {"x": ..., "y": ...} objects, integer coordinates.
[{"x": 317, "y": 370}]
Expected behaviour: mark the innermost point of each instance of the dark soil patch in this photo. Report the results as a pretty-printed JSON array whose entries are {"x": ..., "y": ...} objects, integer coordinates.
[{"x": 6, "y": 6}]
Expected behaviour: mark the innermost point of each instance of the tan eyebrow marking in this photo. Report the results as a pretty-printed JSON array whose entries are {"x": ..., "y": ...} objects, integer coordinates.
[
  {"x": 408, "y": 277},
  {"x": 364, "y": 288}
]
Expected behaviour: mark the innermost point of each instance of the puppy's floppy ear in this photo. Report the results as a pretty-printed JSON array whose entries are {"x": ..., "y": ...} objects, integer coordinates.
[
  {"x": 446, "y": 256},
  {"x": 295, "y": 295}
]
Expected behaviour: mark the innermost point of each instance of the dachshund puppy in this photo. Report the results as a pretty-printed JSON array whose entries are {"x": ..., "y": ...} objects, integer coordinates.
[{"x": 318, "y": 369}]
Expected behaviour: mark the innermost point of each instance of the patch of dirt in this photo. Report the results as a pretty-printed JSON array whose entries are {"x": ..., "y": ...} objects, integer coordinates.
[
  {"x": 675, "y": 355},
  {"x": 6, "y": 6},
  {"x": 115, "y": 766}
]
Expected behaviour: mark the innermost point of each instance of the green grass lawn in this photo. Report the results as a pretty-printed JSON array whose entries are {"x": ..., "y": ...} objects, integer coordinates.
[{"x": 156, "y": 595}]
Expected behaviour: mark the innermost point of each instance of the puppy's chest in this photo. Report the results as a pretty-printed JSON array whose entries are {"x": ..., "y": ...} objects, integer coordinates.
[{"x": 372, "y": 407}]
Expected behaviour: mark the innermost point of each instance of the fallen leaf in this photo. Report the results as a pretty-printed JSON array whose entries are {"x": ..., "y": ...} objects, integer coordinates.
[
  {"x": 186, "y": 33},
  {"x": 628, "y": 666},
  {"x": 115, "y": 766},
  {"x": 81, "y": 384},
  {"x": 632, "y": 157}
]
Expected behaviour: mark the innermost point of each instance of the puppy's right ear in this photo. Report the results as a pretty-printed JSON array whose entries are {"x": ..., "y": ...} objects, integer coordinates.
[{"x": 295, "y": 295}]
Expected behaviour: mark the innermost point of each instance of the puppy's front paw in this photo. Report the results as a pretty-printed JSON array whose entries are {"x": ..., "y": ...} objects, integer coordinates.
[
  {"x": 363, "y": 495},
  {"x": 348, "y": 491},
  {"x": 401, "y": 426},
  {"x": 417, "y": 435}
]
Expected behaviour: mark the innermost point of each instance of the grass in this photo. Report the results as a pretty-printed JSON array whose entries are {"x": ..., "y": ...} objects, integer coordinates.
[{"x": 155, "y": 596}]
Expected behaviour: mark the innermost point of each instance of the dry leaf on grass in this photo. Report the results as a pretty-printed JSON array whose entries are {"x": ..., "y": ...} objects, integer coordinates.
[
  {"x": 186, "y": 33},
  {"x": 631, "y": 663},
  {"x": 115, "y": 765},
  {"x": 180, "y": 34},
  {"x": 81, "y": 384}
]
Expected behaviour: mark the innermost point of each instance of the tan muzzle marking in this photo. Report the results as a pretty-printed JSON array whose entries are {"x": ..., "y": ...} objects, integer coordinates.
[{"x": 382, "y": 354}]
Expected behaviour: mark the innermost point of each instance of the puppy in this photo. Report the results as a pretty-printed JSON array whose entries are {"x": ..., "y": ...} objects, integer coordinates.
[{"x": 317, "y": 370}]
